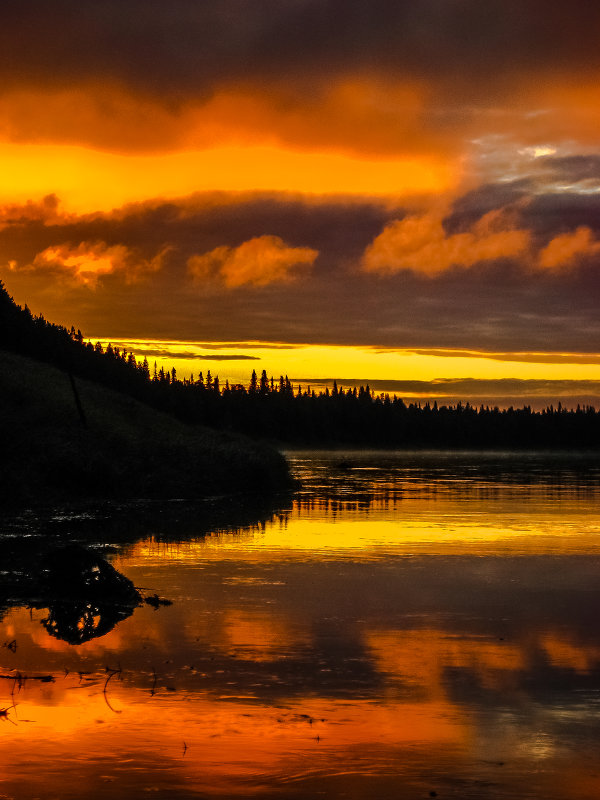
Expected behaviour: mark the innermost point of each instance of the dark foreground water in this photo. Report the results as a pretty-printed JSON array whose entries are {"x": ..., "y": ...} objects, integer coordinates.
[{"x": 405, "y": 627}]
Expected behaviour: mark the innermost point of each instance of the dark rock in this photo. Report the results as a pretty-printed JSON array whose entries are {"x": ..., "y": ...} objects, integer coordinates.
[{"x": 72, "y": 572}]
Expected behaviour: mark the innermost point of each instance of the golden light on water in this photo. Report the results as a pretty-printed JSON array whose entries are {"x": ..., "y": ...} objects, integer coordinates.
[
  {"x": 306, "y": 540},
  {"x": 221, "y": 740},
  {"x": 366, "y": 630}
]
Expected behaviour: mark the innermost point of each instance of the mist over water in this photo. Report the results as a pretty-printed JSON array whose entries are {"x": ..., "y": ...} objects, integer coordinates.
[{"x": 405, "y": 624}]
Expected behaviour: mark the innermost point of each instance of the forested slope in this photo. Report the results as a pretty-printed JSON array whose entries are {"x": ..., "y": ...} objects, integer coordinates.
[{"x": 119, "y": 449}]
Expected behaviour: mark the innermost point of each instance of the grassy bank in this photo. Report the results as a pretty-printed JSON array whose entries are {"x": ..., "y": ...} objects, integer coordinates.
[{"x": 126, "y": 449}]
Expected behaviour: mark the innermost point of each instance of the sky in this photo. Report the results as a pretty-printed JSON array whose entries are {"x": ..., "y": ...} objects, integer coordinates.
[{"x": 398, "y": 192}]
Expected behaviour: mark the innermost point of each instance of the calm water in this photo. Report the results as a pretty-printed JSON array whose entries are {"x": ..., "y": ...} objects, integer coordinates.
[{"x": 406, "y": 625}]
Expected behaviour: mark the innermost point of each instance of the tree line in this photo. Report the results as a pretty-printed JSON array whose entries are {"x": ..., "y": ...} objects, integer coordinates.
[{"x": 273, "y": 408}]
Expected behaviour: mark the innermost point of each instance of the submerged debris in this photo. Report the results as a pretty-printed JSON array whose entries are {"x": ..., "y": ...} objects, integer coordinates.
[
  {"x": 86, "y": 596},
  {"x": 155, "y": 601}
]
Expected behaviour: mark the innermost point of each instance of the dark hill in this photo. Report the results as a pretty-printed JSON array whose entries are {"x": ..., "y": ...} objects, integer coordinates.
[
  {"x": 274, "y": 410},
  {"x": 126, "y": 450}
]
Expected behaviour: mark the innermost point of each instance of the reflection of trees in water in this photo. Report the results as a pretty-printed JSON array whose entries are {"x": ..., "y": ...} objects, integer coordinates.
[
  {"x": 77, "y": 622},
  {"x": 364, "y": 482},
  {"x": 84, "y": 594},
  {"x": 127, "y": 523},
  {"x": 87, "y": 597}
]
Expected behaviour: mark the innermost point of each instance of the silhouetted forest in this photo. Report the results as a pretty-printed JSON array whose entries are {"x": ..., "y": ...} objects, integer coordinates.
[{"x": 275, "y": 409}]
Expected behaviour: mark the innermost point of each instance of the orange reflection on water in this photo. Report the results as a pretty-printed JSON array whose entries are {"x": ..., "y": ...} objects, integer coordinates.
[
  {"x": 388, "y": 641},
  {"x": 563, "y": 652},
  {"x": 231, "y": 746},
  {"x": 423, "y": 525},
  {"x": 214, "y": 729},
  {"x": 260, "y": 637},
  {"x": 421, "y": 657},
  {"x": 112, "y": 642}
]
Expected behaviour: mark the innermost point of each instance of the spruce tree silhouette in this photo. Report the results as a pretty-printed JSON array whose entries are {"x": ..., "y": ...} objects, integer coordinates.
[{"x": 274, "y": 409}]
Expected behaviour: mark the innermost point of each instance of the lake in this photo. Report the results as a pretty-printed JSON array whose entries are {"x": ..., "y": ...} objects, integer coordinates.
[{"x": 405, "y": 626}]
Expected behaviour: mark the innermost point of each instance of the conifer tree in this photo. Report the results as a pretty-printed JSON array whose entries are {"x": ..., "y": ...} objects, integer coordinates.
[
  {"x": 253, "y": 387},
  {"x": 264, "y": 383}
]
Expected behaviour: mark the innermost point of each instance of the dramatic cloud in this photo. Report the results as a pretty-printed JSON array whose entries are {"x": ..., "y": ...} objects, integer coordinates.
[
  {"x": 370, "y": 76},
  {"x": 257, "y": 262},
  {"x": 420, "y": 243},
  {"x": 215, "y": 40},
  {"x": 532, "y": 358},
  {"x": 149, "y": 351},
  {"x": 366, "y": 172},
  {"x": 546, "y": 219},
  {"x": 566, "y": 249},
  {"x": 88, "y": 261},
  {"x": 47, "y": 211},
  {"x": 221, "y": 267}
]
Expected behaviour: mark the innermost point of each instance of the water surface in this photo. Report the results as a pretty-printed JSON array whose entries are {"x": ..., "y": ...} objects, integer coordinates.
[{"x": 406, "y": 624}]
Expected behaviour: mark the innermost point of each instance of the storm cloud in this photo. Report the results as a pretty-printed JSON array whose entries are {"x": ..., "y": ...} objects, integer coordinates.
[{"x": 375, "y": 76}]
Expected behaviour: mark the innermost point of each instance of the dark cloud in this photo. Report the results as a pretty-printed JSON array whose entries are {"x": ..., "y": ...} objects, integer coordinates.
[
  {"x": 502, "y": 305},
  {"x": 553, "y": 213},
  {"x": 228, "y": 357},
  {"x": 534, "y": 358},
  {"x": 131, "y": 76},
  {"x": 553, "y": 198},
  {"x": 161, "y": 352},
  {"x": 470, "y": 207},
  {"x": 187, "y": 46},
  {"x": 45, "y": 211},
  {"x": 571, "y": 168},
  {"x": 200, "y": 223}
]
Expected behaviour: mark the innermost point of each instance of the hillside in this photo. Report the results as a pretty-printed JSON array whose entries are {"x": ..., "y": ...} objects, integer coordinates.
[
  {"x": 126, "y": 449},
  {"x": 275, "y": 410}
]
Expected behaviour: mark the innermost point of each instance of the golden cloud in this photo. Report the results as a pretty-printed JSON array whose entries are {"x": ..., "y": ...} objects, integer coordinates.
[
  {"x": 88, "y": 261},
  {"x": 420, "y": 244},
  {"x": 257, "y": 262},
  {"x": 564, "y": 250},
  {"x": 46, "y": 211},
  {"x": 353, "y": 114}
]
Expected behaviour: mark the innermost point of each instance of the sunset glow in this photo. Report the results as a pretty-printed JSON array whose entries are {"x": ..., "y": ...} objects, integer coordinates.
[
  {"x": 90, "y": 180},
  {"x": 391, "y": 177},
  {"x": 445, "y": 375},
  {"x": 299, "y": 399}
]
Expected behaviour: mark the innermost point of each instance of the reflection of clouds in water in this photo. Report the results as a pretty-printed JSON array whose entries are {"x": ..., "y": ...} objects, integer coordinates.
[
  {"x": 564, "y": 653},
  {"x": 470, "y": 664},
  {"x": 78, "y": 622},
  {"x": 261, "y": 636},
  {"x": 420, "y": 657}
]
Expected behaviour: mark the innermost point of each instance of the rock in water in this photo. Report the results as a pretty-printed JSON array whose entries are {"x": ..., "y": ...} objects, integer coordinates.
[{"x": 77, "y": 573}]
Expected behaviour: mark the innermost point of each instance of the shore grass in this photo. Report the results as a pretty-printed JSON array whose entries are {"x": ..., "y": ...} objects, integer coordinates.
[{"x": 125, "y": 450}]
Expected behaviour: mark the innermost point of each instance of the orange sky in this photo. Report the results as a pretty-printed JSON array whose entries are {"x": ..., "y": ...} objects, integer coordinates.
[{"x": 365, "y": 175}]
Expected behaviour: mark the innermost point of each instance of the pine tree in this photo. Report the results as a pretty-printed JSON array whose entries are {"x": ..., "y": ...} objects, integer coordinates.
[
  {"x": 264, "y": 383},
  {"x": 253, "y": 387}
]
